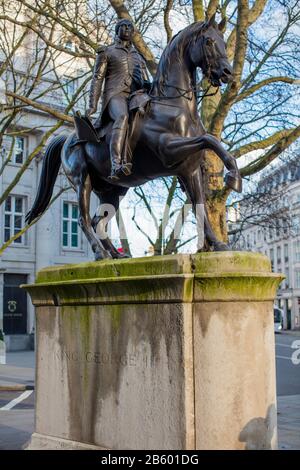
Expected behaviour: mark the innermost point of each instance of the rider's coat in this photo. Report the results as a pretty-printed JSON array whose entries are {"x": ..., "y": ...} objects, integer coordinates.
[{"x": 123, "y": 70}]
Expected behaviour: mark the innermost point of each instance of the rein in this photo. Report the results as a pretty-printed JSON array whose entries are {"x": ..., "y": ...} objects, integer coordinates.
[{"x": 184, "y": 93}]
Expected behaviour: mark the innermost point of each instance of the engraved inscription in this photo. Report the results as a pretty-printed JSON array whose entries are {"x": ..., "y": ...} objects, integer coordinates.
[{"x": 130, "y": 359}]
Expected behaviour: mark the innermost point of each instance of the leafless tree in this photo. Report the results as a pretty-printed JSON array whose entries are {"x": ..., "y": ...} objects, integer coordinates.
[
  {"x": 268, "y": 205},
  {"x": 256, "y": 111}
]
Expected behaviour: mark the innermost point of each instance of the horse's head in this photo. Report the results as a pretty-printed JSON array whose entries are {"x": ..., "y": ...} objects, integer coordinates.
[{"x": 209, "y": 53}]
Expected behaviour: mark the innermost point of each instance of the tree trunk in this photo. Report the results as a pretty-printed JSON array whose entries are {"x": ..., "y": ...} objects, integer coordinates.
[
  {"x": 216, "y": 207},
  {"x": 213, "y": 171}
]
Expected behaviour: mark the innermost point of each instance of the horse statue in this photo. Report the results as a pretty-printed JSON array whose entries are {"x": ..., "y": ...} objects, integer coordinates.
[{"x": 169, "y": 139}]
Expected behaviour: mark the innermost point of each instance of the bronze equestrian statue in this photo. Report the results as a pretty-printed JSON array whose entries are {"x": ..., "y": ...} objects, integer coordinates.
[
  {"x": 123, "y": 71},
  {"x": 168, "y": 140}
]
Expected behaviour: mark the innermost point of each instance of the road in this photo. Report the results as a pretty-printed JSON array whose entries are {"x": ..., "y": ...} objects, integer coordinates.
[
  {"x": 17, "y": 423},
  {"x": 287, "y": 373}
]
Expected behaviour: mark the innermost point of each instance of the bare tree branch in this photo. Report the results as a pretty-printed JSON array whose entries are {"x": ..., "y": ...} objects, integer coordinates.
[
  {"x": 140, "y": 44},
  {"x": 271, "y": 154},
  {"x": 168, "y": 28},
  {"x": 41, "y": 107}
]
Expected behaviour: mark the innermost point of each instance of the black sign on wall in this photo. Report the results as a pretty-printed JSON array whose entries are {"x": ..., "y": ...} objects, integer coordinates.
[{"x": 14, "y": 304}]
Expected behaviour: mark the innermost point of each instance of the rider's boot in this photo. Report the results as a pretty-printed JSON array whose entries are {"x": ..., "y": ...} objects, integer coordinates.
[{"x": 117, "y": 141}]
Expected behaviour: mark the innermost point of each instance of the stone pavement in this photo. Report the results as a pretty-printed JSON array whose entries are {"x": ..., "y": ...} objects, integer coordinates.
[
  {"x": 289, "y": 422},
  {"x": 18, "y": 372},
  {"x": 16, "y": 425}
]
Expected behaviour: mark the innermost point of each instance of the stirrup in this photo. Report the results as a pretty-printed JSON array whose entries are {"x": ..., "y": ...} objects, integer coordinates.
[
  {"x": 113, "y": 177},
  {"x": 116, "y": 172},
  {"x": 123, "y": 168},
  {"x": 126, "y": 168}
]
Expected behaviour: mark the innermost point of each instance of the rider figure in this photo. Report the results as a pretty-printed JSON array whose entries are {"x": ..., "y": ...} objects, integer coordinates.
[{"x": 124, "y": 72}]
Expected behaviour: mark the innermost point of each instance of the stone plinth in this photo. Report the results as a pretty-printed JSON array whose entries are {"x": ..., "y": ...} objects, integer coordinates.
[{"x": 173, "y": 352}]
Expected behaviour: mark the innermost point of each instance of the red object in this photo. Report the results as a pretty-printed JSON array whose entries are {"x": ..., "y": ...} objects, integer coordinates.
[{"x": 120, "y": 250}]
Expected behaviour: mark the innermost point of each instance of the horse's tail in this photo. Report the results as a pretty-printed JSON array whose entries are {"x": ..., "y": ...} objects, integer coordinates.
[{"x": 51, "y": 164}]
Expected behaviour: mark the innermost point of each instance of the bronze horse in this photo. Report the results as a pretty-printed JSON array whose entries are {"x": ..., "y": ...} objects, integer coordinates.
[{"x": 168, "y": 140}]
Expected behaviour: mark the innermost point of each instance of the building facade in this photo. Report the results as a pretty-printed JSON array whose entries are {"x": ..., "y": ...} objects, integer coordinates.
[
  {"x": 275, "y": 232},
  {"x": 56, "y": 238}
]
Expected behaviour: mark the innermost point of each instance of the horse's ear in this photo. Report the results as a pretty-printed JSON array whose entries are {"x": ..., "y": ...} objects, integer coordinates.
[
  {"x": 222, "y": 25},
  {"x": 212, "y": 20}
]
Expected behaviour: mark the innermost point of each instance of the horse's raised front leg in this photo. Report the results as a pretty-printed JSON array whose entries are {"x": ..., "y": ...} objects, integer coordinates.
[
  {"x": 233, "y": 178},
  {"x": 174, "y": 150},
  {"x": 193, "y": 185}
]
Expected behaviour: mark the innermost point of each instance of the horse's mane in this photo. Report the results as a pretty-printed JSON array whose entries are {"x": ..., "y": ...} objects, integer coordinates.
[{"x": 174, "y": 51}]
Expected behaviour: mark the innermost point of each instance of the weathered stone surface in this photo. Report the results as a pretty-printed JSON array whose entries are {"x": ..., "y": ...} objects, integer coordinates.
[
  {"x": 171, "y": 352},
  {"x": 235, "y": 399},
  {"x": 46, "y": 442},
  {"x": 111, "y": 376}
]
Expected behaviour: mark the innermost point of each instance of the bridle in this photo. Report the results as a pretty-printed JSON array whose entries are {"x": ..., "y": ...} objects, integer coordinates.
[
  {"x": 182, "y": 92},
  {"x": 185, "y": 93},
  {"x": 196, "y": 89}
]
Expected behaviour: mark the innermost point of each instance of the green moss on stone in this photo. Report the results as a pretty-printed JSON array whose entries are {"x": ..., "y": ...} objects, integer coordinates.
[
  {"x": 237, "y": 287},
  {"x": 157, "y": 265},
  {"x": 84, "y": 313},
  {"x": 155, "y": 279},
  {"x": 116, "y": 316}
]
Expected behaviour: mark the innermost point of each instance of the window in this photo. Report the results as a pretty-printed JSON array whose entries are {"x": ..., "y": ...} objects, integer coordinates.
[
  {"x": 297, "y": 251},
  {"x": 15, "y": 147},
  {"x": 18, "y": 156},
  {"x": 14, "y": 215},
  {"x": 248, "y": 241},
  {"x": 296, "y": 199},
  {"x": 70, "y": 45},
  {"x": 272, "y": 257},
  {"x": 287, "y": 278},
  {"x": 70, "y": 234},
  {"x": 297, "y": 279},
  {"x": 59, "y": 6},
  {"x": 286, "y": 253},
  {"x": 279, "y": 255},
  {"x": 296, "y": 225},
  {"x": 285, "y": 226},
  {"x": 270, "y": 233},
  {"x": 277, "y": 228},
  {"x": 68, "y": 89}
]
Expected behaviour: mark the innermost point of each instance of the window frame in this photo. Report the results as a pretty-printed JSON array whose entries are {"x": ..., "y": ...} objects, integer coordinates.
[
  {"x": 66, "y": 82},
  {"x": 5, "y": 151},
  {"x": 69, "y": 219},
  {"x": 297, "y": 278},
  {"x": 12, "y": 213}
]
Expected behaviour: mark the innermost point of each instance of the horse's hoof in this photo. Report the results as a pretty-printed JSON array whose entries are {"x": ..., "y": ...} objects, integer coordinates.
[
  {"x": 125, "y": 255},
  {"x": 103, "y": 254},
  {"x": 120, "y": 256},
  {"x": 234, "y": 181},
  {"x": 220, "y": 246}
]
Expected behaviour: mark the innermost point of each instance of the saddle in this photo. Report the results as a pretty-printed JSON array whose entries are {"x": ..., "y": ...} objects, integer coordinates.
[{"x": 86, "y": 132}]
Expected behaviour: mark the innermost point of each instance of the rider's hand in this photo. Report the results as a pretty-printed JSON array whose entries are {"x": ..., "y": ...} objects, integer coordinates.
[{"x": 90, "y": 111}]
